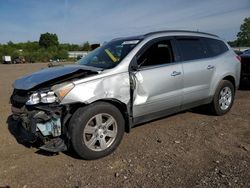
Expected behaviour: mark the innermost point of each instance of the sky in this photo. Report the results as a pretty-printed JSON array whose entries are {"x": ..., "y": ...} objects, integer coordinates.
[{"x": 78, "y": 21}]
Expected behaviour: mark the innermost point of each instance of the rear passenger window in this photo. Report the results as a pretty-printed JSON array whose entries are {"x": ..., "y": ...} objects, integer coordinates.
[
  {"x": 215, "y": 47},
  {"x": 192, "y": 48}
]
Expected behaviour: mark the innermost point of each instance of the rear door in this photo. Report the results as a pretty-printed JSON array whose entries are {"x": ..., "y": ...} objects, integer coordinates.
[
  {"x": 197, "y": 69},
  {"x": 159, "y": 80}
]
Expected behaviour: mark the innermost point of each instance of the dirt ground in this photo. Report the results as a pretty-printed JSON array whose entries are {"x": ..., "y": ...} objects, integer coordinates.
[{"x": 189, "y": 149}]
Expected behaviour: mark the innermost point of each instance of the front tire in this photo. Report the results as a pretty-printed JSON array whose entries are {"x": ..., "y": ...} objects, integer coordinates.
[
  {"x": 223, "y": 98},
  {"x": 96, "y": 130}
]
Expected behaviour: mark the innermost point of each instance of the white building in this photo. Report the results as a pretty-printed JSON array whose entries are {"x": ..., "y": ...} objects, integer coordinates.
[{"x": 75, "y": 54}]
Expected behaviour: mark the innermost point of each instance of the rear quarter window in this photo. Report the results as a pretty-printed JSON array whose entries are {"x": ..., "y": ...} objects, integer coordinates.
[{"x": 215, "y": 47}]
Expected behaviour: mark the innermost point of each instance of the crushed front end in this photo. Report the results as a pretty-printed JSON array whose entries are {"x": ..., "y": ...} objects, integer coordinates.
[
  {"x": 36, "y": 104},
  {"x": 43, "y": 123}
]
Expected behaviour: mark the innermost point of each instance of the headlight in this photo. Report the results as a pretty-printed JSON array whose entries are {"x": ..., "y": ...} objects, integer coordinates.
[
  {"x": 57, "y": 93},
  {"x": 42, "y": 97},
  {"x": 62, "y": 90},
  {"x": 34, "y": 99},
  {"x": 48, "y": 97}
]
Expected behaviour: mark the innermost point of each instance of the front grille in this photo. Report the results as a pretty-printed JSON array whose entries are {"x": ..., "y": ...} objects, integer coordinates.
[{"x": 19, "y": 98}]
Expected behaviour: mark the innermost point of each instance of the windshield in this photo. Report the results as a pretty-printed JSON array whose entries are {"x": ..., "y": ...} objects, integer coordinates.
[{"x": 109, "y": 55}]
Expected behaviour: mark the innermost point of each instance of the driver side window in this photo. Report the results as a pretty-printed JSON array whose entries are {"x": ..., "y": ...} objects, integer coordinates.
[{"x": 157, "y": 54}]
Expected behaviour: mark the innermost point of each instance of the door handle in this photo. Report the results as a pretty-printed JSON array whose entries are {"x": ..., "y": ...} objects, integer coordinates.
[
  {"x": 175, "y": 73},
  {"x": 209, "y": 67}
]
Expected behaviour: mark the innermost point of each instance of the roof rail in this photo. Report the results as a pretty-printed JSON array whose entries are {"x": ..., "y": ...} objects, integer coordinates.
[{"x": 186, "y": 31}]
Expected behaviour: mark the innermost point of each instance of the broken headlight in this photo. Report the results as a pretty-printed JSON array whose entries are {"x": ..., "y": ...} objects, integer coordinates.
[
  {"x": 42, "y": 97},
  {"x": 57, "y": 93}
]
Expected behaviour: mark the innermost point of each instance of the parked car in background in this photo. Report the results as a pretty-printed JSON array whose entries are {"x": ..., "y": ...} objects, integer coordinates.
[
  {"x": 246, "y": 52},
  {"x": 245, "y": 67},
  {"x": 19, "y": 60},
  {"x": 123, "y": 83}
]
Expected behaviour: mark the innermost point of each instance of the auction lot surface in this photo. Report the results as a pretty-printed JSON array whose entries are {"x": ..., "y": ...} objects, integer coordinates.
[{"x": 190, "y": 149}]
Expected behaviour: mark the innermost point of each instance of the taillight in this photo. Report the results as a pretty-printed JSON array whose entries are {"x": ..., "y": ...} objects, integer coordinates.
[{"x": 239, "y": 58}]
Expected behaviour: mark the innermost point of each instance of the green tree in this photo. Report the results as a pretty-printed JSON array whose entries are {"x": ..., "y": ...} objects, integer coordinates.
[
  {"x": 243, "y": 37},
  {"x": 61, "y": 54},
  {"x": 10, "y": 43},
  {"x": 86, "y": 46},
  {"x": 48, "y": 39}
]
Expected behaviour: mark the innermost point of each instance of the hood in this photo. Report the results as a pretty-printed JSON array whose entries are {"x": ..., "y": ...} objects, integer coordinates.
[{"x": 49, "y": 76}]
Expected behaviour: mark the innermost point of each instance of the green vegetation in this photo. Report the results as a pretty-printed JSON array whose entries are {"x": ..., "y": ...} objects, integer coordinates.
[
  {"x": 243, "y": 37},
  {"x": 48, "y": 48},
  {"x": 48, "y": 40}
]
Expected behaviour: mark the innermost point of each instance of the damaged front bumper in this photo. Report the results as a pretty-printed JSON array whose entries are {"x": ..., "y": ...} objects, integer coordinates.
[{"x": 44, "y": 125}]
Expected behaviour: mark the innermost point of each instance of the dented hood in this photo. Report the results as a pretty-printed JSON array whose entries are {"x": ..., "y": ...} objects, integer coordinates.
[{"x": 53, "y": 75}]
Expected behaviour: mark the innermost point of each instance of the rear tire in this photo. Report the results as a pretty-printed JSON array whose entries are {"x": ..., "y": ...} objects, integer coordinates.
[
  {"x": 96, "y": 130},
  {"x": 223, "y": 98}
]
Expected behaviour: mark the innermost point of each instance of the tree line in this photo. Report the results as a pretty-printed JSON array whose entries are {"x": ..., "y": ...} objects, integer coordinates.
[
  {"x": 49, "y": 48},
  {"x": 243, "y": 36},
  {"x": 46, "y": 49}
]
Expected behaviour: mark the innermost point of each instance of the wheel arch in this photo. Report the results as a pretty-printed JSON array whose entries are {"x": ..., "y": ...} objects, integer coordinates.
[
  {"x": 228, "y": 77},
  {"x": 122, "y": 107},
  {"x": 231, "y": 79}
]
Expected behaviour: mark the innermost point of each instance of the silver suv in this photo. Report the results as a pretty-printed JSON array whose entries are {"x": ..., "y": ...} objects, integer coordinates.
[{"x": 125, "y": 82}]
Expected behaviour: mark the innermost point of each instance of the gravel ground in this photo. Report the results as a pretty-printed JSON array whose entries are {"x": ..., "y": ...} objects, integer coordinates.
[{"x": 189, "y": 149}]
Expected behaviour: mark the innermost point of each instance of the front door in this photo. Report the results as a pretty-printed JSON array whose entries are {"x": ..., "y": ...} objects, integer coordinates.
[{"x": 159, "y": 81}]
